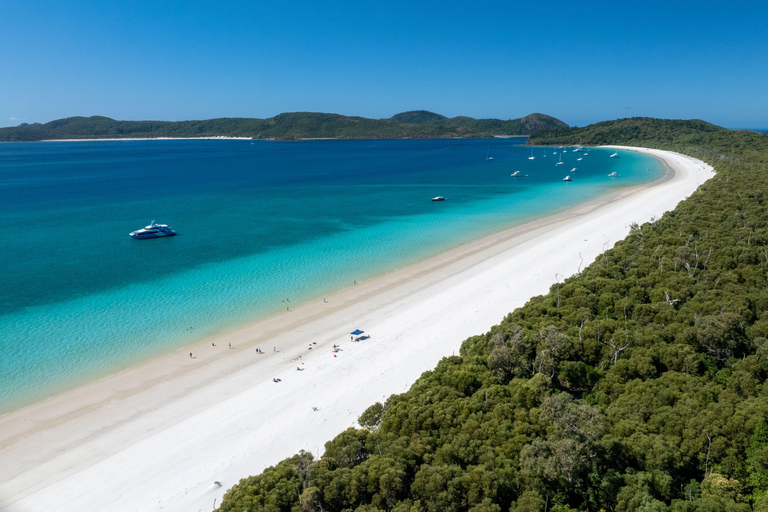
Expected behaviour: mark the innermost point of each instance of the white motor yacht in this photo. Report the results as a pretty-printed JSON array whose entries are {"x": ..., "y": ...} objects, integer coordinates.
[{"x": 153, "y": 231}]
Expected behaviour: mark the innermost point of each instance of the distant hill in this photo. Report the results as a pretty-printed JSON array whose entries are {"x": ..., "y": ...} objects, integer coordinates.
[
  {"x": 288, "y": 126},
  {"x": 417, "y": 117},
  {"x": 631, "y": 131}
]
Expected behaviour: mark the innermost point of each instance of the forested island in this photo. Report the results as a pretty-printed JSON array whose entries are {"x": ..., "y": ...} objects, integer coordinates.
[
  {"x": 289, "y": 126},
  {"x": 637, "y": 384}
]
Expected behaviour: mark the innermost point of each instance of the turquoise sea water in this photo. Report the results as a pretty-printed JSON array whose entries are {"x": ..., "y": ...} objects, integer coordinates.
[{"x": 258, "y": 222}]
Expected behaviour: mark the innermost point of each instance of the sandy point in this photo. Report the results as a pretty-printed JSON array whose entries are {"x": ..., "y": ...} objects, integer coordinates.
[{"x": 176, "y": 432}]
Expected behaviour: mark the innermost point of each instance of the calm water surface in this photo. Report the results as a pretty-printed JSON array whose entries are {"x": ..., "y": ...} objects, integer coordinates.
[{"x": 258, "y": 222}]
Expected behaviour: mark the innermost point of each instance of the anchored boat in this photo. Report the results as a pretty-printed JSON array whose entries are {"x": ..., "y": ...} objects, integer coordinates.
[{"x": 153, "y": 231}]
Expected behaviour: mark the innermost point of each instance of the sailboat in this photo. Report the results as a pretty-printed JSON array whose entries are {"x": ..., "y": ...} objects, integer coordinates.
[
  {"x": 615, "y": 155},
  {"x": 531, "y": 157},
  {"x": 488, "y": 155},
  {"x": 560, "y": 162},
  {"x": 567, "y": 178},
  {"x": 515, "y": 174}
]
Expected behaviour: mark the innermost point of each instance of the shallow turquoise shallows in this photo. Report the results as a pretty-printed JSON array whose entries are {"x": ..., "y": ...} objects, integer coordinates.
[{"x": 258, "y": 222}]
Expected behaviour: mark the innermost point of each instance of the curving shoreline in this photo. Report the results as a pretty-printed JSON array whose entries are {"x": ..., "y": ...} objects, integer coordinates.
[{"x": 160, "y": 435}]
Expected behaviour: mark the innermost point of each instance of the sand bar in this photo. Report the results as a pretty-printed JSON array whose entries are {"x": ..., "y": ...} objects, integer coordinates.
[
  {"x": 217, "y": 137},
  {"x": 159, "y": 436}
]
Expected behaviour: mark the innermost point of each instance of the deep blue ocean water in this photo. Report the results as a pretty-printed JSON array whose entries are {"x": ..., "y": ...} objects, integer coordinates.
[{"x": 258, "y": 222}]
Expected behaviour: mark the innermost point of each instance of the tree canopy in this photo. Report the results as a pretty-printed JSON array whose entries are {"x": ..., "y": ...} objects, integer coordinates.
[{"x": 637, "y": 384}]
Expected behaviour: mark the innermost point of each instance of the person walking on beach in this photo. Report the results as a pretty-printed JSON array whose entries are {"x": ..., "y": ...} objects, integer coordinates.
[{"x": 190, "y": 355}]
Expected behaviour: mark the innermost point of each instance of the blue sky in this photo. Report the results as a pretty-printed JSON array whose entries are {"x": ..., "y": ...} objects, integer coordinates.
[{"x": 581, "y": 62}]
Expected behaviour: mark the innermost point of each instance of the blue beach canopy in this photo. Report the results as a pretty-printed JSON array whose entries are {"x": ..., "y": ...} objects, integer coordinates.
[{"x": 356, "y": 332}]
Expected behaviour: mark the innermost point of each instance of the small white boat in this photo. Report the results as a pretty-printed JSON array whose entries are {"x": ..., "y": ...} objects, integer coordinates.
[
  {"x": 515, "y": 174},
  {"x": 614, "y": 175},
  {"x": 573, "y": 170},
  {"x": 560, "y": 162},
  {"x": 615, "y": 155},
  {"x": 578, "y": 159},
  {"x": 531, "y": 157},
  {"x": 488, "y": 155},
  {"x": 438, "y": 198},
  {"x": 567, "y": 178}
]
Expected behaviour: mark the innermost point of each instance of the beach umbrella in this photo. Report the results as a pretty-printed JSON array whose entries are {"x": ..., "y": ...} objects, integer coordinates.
[{"x": 356, "y": 332}]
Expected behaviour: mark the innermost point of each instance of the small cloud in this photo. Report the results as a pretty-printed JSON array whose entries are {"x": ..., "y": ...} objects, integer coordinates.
[{"x": 13, "y": 119}]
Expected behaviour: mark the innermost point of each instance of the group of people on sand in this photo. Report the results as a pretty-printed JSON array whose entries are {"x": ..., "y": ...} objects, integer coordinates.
[{"x": 336, "y": 348}]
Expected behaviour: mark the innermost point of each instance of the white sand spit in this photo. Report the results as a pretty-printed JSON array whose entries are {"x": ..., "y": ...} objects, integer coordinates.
[
  {"x": 157, "y": 437},
  {"x": 217, "y": 137}
]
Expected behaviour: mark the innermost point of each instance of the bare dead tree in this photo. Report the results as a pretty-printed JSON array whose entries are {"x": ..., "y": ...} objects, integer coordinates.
[
  {"x": 615, "y": 350},
  {"x": 697, "y": 253},
  {"x": 581, "y": 342}
]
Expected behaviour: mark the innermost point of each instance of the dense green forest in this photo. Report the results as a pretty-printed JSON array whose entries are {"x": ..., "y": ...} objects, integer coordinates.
[
  {"x": 290, "y": 126},
  {"x": 637, "y": 384}
]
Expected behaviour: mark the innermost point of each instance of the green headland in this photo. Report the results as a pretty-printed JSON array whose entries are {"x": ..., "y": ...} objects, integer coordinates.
[{"x": 289, "y": 126}]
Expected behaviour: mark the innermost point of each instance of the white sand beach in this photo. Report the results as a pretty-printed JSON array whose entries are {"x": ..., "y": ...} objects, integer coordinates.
[
  {"x": 158, "y": 436},
  {"x": 149, "y": 138}
]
